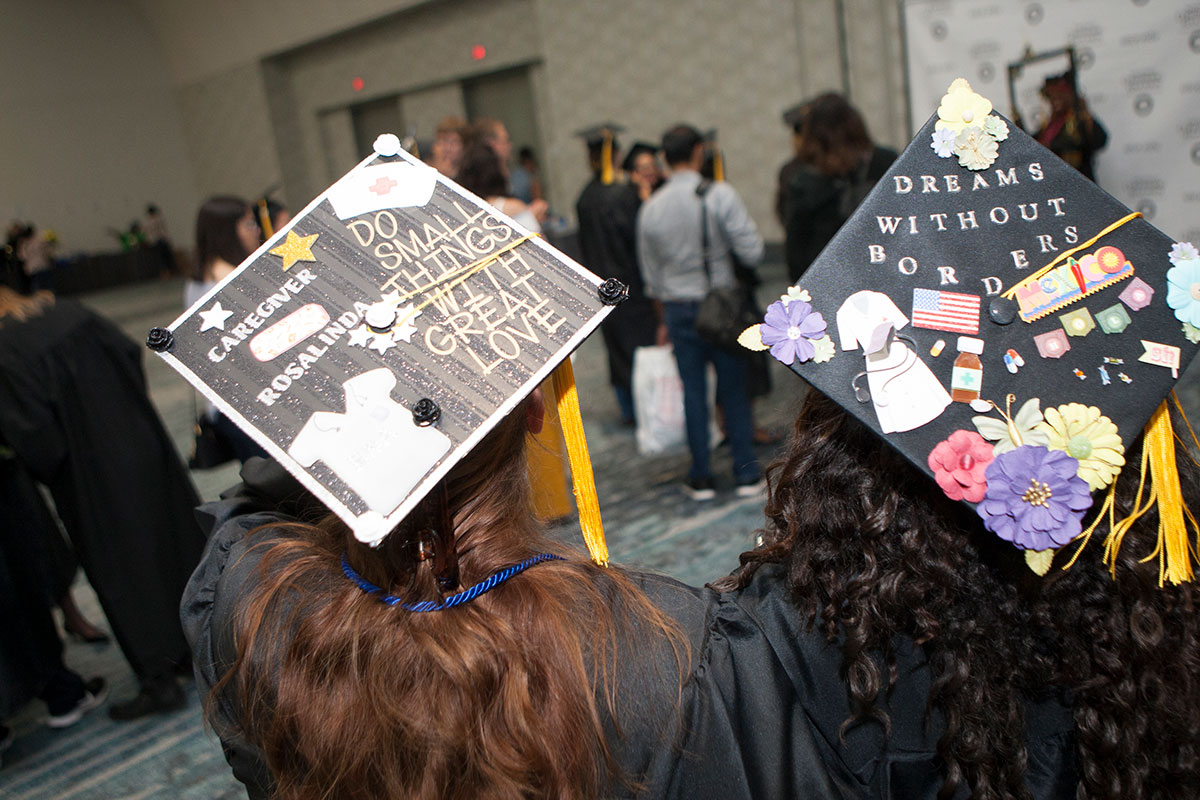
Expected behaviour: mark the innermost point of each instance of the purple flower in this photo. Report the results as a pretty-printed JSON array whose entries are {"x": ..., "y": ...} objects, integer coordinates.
[
  {"x": 1034, "y": 498},
  {"x": 787, "y": 330}
]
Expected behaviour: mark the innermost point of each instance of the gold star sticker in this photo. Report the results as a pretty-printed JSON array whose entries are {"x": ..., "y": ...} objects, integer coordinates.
[{"x": 296, "y": 248}]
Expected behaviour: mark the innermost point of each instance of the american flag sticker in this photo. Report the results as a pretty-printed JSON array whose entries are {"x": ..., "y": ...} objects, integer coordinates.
[{"x": 945, "y": 311}]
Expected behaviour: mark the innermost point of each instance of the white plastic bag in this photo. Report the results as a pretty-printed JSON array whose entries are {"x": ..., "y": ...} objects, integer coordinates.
[{"x": 657, "y": 400}]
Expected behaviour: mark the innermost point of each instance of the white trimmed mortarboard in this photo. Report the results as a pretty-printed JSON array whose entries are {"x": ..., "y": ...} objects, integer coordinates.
[
  {"x": 379, "y": 336},
  {"x": 1005, "y": 324}
]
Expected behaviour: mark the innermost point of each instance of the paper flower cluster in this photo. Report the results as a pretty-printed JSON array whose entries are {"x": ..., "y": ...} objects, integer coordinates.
[
  {"x": 1032, "y": 474},
  {"x": 1183, "y": 283},
  {"x": 967, "y": 128}
]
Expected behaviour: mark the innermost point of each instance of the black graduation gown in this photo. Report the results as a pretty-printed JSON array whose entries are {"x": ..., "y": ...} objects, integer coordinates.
[
  {"x": 608, "y": 247},
  {"x": 813, "y": 210},
  {"x": 30, "y": 649},
  {"x": 73, "y": 405},
  {"x": 765, "y": 711}
]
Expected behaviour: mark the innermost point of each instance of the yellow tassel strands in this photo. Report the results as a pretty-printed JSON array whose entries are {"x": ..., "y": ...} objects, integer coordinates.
[
  {"x": 1173, "y": 550},
  {"x": 567, "y": 398}
]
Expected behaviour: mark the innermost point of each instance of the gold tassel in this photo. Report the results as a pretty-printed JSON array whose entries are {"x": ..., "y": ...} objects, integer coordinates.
[
  {"x": 606, "y": 166},
  {"x": 567, "y": 398},
  {"x": 718, "y": 164},
  {"x": 1172, "y": 549},
  {"x": 264, "y": 219}
]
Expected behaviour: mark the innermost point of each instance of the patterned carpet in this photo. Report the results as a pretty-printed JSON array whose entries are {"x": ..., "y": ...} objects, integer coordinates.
[{"x": 648, "y": 519}]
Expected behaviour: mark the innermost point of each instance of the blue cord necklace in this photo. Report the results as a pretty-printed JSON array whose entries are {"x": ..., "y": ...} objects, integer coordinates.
[{"x": 465, "y": 596}]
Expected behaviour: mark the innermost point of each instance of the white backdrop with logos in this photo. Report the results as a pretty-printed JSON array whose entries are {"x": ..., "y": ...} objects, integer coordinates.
[{"x": 1138, "y": 69}]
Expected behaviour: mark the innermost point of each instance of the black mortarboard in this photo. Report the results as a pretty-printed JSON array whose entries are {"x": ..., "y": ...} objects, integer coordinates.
[
  {"x": 601, "y": 143},
  {"x": 983, "y": 267},
  {"x": 635, "y": 150},
  {"x": 792, "y": 117},
  {"x": 376, "y": 339}
]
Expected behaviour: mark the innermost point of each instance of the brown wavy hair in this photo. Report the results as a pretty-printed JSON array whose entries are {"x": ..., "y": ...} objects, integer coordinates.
[
  {"x": 873, "y": 549},
  {"x": 507, "y": 696},
  {"x": 833, "y": 136}
]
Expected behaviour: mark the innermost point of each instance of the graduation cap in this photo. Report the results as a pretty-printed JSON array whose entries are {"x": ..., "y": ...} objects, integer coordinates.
[
  {"x": 793, "y": 117},
  {"x": 1006, "y": 325},
  {"x": 601, "y": 141},
  {"x": 376, "y": 338},
  {"x": 635, "y": 150}
]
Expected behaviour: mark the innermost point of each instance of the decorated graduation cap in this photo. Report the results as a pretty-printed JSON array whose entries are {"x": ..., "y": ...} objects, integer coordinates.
[
  {"x": 1006, "y": 325},
  {"x": 384, "y": 331},
  {"x": 601, "y": 142}
]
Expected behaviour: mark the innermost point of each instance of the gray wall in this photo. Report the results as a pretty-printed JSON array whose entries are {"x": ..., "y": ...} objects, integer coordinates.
[
  {"x": 90, "y": 131},
  {"x": 238, "y": 98}
]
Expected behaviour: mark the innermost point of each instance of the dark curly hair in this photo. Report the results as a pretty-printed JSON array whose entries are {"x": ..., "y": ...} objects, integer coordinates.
[{"x": 873, "y": 549}]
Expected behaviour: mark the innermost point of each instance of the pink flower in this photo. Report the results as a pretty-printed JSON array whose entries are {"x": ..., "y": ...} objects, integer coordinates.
[{"x": 959, "y": 465}]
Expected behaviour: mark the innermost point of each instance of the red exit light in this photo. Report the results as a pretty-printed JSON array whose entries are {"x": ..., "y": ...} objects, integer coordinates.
[
  {"x": 357, "y": 84},
  {"x": 478, "y": 52}
]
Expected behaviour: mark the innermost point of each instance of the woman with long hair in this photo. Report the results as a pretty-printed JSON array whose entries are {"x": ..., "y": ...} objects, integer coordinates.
[
  {"x": 918, "y": 655},
  {"x": 226, "y": 233},
  {"x": 559, "y": 681},
  {"x": 482, "y": 171},
  {"x": 836, "y": 165}
]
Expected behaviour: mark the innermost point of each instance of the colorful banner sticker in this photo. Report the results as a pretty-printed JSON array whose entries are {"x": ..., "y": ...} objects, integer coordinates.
[{"x": 1039, "y": 295}]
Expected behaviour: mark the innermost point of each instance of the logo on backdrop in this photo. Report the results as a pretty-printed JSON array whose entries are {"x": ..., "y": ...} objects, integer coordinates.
[
  {"x": 1194, "y": 42},
  {"x": 1147, "y": 208},
  {"x": 939, "y": 31},
  {"x": 1143, "y": 105},
  {"x": 1196, "y": 153},
  {"x": 1034, "y": 13},
  {"x": 1084, "y": 58}
]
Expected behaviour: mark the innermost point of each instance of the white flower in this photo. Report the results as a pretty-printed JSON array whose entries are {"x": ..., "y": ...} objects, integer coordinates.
[
  {"x": 943, "y": 142},
  {"x": 995, "y": 127},
  {"x": 1183, "y": 251},
  {"x": 795, "y": 293},
  {"x": 824, "y": 349},
  {"x": 975, "y": 149}
]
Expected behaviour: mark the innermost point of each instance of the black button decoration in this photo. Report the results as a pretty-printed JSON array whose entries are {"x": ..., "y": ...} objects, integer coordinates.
[
  {"x": 160, "y": 340},
  {"x": 1002, "y": 310},
  {"x": 613, "y": 292},
  {"x": 426, "y": 412}
]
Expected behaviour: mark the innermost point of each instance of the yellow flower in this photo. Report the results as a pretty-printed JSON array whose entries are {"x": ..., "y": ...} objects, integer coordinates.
[
  {"x": 1089, "y": 437},
  {"x": 962, "y": 107}
]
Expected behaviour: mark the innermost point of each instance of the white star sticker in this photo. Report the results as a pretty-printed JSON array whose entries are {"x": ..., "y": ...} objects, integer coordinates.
[
  {"x": 360, "y": 336},
  {"x": 214, "y": 318},
  {"x": 405, "y": 328},
  {"x": 382, "y": 343}
]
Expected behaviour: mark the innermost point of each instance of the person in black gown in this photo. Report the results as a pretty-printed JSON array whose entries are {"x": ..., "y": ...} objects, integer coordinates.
[
  {"x": 74, "y": 408},
  {"x": 607, "y": 212}
]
